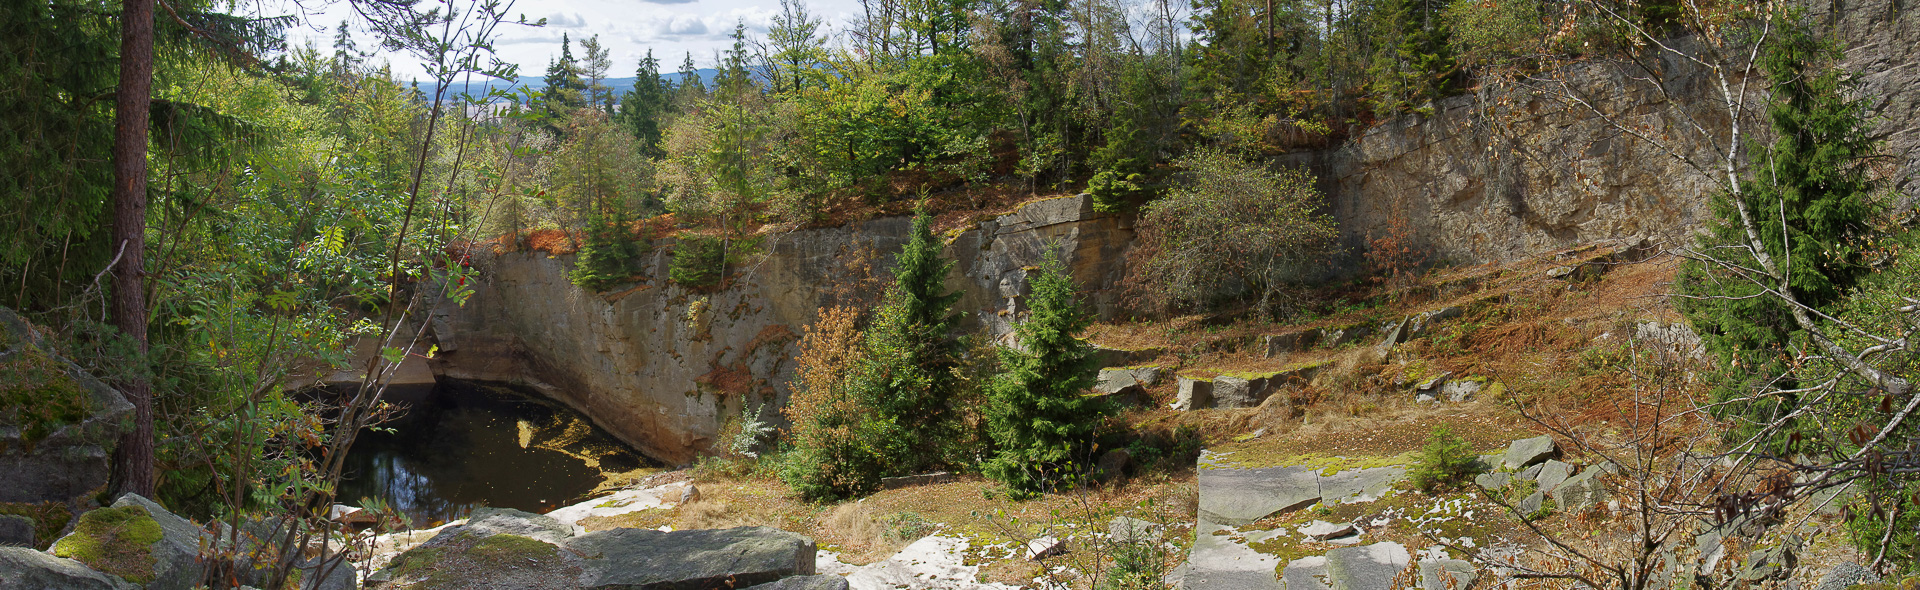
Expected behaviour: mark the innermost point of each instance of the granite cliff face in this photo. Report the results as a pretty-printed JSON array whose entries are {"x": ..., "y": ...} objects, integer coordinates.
[
  {"x": 662, "y": 368},
  {"x": 1504, "y": 173},
  {"x": 1488, "y": 177}
]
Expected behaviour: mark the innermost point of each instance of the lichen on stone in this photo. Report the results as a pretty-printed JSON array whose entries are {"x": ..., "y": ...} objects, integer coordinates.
[
  {"x": 512, "y": 547},
  {"x": 37, "y": 395},
  {"x": 117, "y": 541}
]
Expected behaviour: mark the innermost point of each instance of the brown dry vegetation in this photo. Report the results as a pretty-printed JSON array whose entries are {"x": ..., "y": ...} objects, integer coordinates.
[{"x": 1556, "y": 348}]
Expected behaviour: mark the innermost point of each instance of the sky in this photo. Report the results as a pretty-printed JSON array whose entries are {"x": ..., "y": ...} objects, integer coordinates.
[{"x": 627, "y": 27}]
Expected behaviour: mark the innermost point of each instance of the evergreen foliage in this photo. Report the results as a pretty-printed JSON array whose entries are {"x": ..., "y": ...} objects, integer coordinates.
[
  {"x": 607, "y": 255},
  {"x": 908, "y": 373},
  {"x": 698, "y": 262},
  {"x": 565, "y": 89},
  {"x": 1811, "y": 187},
  {"x": 645, "y": 108},
  {"x": 1039, "y": 415},
  {"x": 1447, "y": 462}
]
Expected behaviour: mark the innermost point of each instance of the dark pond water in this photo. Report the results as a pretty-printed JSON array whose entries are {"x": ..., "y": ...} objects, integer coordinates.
[{"x": 464, "y": 445}]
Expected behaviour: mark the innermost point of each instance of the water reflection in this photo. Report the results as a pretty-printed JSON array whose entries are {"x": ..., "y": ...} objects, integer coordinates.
[{"x": 466, "y": 445}]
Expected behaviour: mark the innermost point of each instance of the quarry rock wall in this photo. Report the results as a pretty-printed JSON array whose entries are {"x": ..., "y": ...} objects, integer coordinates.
[
  {"x": 1492, "y": 176},
  {"x": 663, "y": 368}
]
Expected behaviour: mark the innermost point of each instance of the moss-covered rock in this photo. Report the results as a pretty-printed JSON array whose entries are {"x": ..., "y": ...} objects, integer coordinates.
[
  {"x": 56, "y": 422},
  {"x": 117, "y": 541},
  {"x": 139, "y": 541},
  {"x": 469, "y": 558}
]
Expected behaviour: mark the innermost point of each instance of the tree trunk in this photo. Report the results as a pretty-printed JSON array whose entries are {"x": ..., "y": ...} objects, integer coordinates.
[{"x": 133, "y": 459}]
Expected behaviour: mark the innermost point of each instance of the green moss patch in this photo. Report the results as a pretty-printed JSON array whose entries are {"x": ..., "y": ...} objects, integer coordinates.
[
  {"x": 505, "y": 547},
  {"x": 117, "y": 541},
  {"x": 1328, "y": 465},
  {"x": 470, "y": 561},
  {"x": 37, "y": 395}
]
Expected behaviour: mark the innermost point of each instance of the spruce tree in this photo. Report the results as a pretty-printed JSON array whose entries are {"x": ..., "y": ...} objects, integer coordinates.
[
  {"x": 910, "y": 354},
  {"x": 607, "y": 255},
  {"x": 644, "y": 109},
  {"x": 1810, "y": 187},
  {"x": 565, "y": 90},
  {"x": 1037, "y": 415}
]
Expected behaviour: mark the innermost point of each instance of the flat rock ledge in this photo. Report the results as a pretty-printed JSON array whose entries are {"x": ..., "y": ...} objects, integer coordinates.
[{"x": 500, "y": 548}]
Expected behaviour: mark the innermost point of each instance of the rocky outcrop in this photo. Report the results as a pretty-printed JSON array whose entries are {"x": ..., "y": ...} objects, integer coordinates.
[
  {"x": 513, "y": 549},
  {"x": 137, "y": 544},
  {"x": 57, "y": 423},
  {"x": 25, "y": 569},
  {"x": 1502, "y": 174},
  {"x": 662, "y": 368}
]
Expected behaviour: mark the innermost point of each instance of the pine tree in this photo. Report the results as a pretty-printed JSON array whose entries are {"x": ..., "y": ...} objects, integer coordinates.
[
  {"x": 910, "y": 355},
  {"x": 644, "y": 109},
  {"x": 734, "y": 80},
  {"x": 1811, "y": 182},
  {"x": 565, "y": 90},
  {"x": 690, "y": 90},
  {"x": 608, "y": 252},
  {"x": 1037, "y": 415}
]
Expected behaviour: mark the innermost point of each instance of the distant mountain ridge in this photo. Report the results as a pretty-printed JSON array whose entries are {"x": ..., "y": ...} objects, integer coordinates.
[{"x": 620, "y": 86}]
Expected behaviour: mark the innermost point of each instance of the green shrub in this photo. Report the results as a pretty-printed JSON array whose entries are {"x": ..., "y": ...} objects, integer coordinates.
[
  {"x": 1446, "y": 462},
  {"x": 607, "y": 256},
  {"x": 1038, "y": 418},
  {"x": 698, "y": 262}
]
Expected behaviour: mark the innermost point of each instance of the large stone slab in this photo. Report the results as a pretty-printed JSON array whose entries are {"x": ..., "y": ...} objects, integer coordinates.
[
  {"x": 1237, "y": 391},
  {"x": 1113, "y": 380},
  {"x": 934, "y": 562},
  {"x": 1580, "y": 491},
  {"x": 464, "y": 557},
  {"x": 1306, "y": 573},
  {"x": 1218, "y": 561},
  {"x": 1367, "y": 567},
  {"x": 16, "y": 531},
  {"x": 1552, "y": 474},
  {"x": 1241, "y": 496},
  {"x": 1359, "y": 485},
  {"x": 494, "y": 521},
  {"x": 825, "y": 582},
  {"x": 25, "y": 569},
  {"x": 1525, "y": 452},
  {"x": 1393, "y": 333},
  {"x": 716, "y": 558},
  {"x": 1446, "y": 574}
]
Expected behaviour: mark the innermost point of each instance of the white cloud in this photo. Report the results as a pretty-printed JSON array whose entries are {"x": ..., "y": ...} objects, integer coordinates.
[
  {"x": 671, "y": 28},
  {"x": 682, "y": 25},
  {"x": 566, "y": 21}
]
